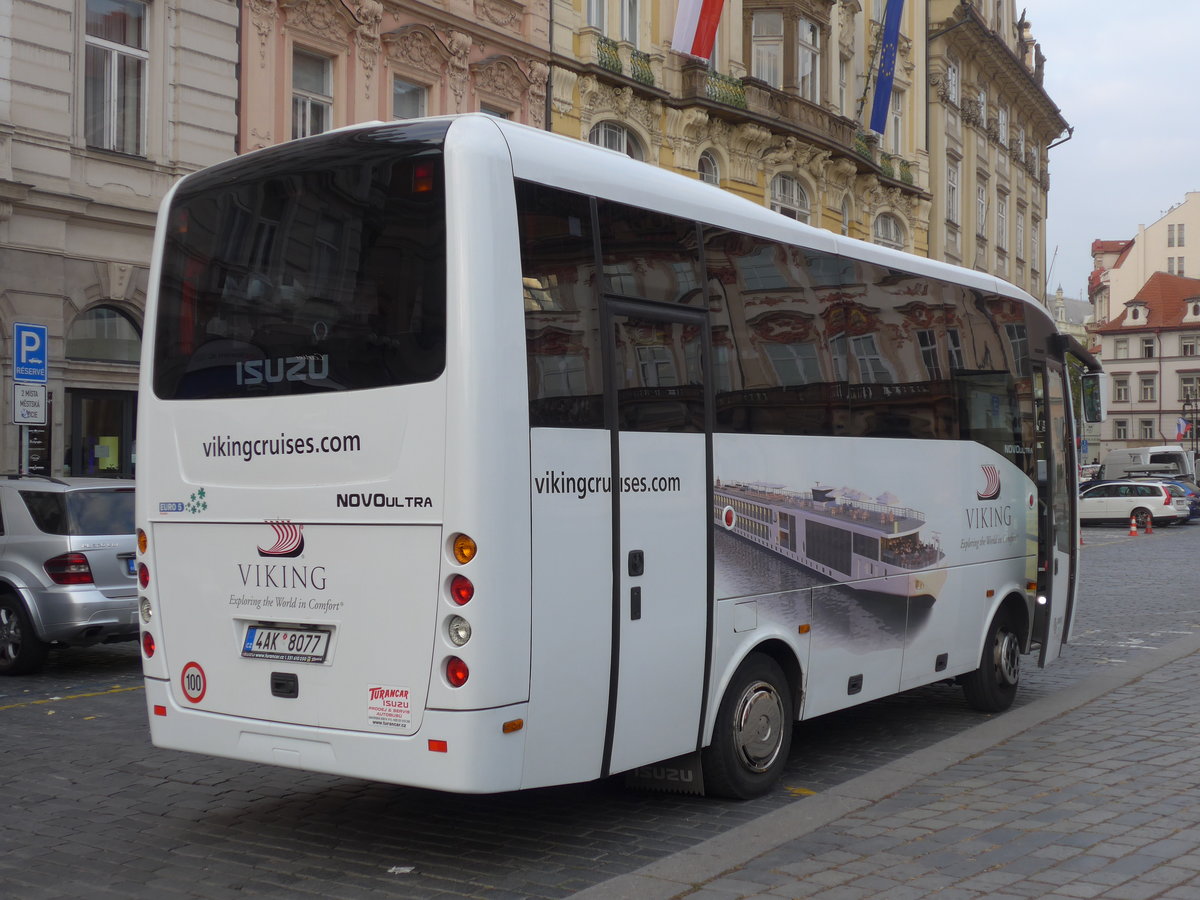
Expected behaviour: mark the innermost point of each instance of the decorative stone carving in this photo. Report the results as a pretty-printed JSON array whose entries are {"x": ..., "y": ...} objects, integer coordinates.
[
  {"x": 501, "y": 77},
  {"x": 262, "y": 16},
  {"x": 459, "y": 46},
  {"x": 562, "y": 95},
  {"x": 320, "y": 19},
  {"x": 417, "y": 46},
  {"x": 501, "y": 13},
  {"x": 538, "y": 74}
]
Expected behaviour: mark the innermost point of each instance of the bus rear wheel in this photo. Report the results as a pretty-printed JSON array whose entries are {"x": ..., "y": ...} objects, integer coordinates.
[
  {"x": 993, "y": 686},
  {"x": 753, "y": 732}
]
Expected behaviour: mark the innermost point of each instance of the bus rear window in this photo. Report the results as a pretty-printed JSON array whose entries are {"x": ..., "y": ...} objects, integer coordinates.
[{"x": 322, "y": 267}]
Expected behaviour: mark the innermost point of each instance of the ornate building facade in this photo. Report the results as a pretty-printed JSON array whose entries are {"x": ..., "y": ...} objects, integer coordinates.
[
  {"x": 991, "y": 127},
  {"x": 774, "y": 116}
]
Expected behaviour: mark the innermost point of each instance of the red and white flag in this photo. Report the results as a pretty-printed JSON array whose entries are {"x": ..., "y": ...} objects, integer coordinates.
[{"x": 696, "y": 27}]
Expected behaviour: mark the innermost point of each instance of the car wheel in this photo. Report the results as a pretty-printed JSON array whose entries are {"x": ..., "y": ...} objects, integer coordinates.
[
  {"x": 21, "y": 651},
  {"x": 753, "y": 732},
  {"x": 1141, "y": 515},
  {"x": 993, "y": 686}
]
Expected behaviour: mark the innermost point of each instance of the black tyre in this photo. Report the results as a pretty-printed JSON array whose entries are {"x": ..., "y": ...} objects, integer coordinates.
[
  {"x": 1141, "y": 515},
  {"x": 21, "y": 651},
  {"x": 993, "y": 686},
  {"x": 753, "y": 732}
]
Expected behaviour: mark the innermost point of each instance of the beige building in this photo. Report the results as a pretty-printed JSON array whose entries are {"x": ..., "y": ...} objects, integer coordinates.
[
  {"x": 991, "y": 126},
  {"x": 103, "y": 104},
  {"x": 1120, "y": 268}
]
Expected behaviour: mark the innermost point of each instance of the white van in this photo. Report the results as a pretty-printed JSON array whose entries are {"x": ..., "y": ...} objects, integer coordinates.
[{"x": 1166, "y": 459}]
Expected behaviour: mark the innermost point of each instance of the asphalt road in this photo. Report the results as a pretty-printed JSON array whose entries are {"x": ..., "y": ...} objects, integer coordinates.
[{"x": 92, "y": 809}]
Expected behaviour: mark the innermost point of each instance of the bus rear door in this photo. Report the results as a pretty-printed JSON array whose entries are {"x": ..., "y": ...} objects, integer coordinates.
[{"x": 661, "y": 561}]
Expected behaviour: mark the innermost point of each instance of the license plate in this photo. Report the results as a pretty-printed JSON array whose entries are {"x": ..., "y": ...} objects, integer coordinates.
[
  {"x": 309, "y": 645},
  {"x": 130, "y": 566}
]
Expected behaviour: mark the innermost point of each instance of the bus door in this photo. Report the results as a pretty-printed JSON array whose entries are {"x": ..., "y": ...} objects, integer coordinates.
[
  {"x": 1058, "y": 524},
  {"x": 661, "y": 411}
]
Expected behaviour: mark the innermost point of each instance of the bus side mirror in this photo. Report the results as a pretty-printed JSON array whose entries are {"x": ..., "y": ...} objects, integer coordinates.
[{"x": 1095, "y": 396}]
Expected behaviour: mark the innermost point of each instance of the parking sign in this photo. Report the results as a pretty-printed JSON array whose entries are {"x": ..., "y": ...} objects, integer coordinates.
[{"x": 29, "y": 353}]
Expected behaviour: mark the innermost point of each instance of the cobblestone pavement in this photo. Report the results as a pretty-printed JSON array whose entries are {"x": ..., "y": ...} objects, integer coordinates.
[{"x": 92, "y": 809}]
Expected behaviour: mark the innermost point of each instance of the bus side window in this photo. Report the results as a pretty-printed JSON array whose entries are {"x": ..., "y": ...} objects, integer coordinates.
[{"x": 562, "y": 321}]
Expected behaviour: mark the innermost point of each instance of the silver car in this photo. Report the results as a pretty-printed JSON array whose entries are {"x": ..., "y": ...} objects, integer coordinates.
[{"x": 67, "y": 571}]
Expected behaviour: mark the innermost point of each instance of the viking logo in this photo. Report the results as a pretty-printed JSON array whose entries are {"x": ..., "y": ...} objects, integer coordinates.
[
  {"x": 289, "y": 540},
  {"x": 991, "y": 489}
]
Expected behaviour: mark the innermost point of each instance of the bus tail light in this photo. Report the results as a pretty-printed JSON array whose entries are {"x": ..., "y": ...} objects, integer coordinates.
[
  {"x": 69, "y": 568},
  {"x": 143, "y": 575},
  {"x": 459, "y": 630},
  {"x": 457, "y": 672},
  {"x": 464, "y": 549},
  {"x": 461, "y": 590},
  {"x": 148, "y": 646}
]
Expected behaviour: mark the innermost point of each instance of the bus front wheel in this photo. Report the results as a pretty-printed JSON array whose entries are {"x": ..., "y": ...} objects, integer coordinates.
[
  {"x": 993, "y": 686},
  {"x": 753, "y": 732}
]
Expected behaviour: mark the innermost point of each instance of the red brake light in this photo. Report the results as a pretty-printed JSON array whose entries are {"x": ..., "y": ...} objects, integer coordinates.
[
  {"x": 148, "y": 646},
  {"x": 461, "y": 589},
  {"x": 1166, "y": 497},
  {"x": 143, "y": 575},
  {"x": 70, "y": 568},
  {"x": 457, "y": 672}
]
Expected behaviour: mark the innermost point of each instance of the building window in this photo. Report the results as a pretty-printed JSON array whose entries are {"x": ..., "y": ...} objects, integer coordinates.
[
  {"x": 1121, "y": 348},
  {"x": 708, "y": 169},
  {"x": 1170, "y": 235},
  {"x": 1035, "y": 244},
  {"x": 789, "y": 198},
  {"x": 952, "y": 192},
  {"x": 1178, "y": 235},
  {"x": 617, "y": 137},
  {"x": 846, "y": 215},
  {"x": 1120, "y": 429},
  {"x": 1120, "y": 389},
  {"x": 1179, "y": 266},
  {"x": 1147, "y": 388},
  {"x": 794, "y": 363},
  {"x": 629, "y": 21},
  {"x": 596, "y": 13},
  {"x": 888, "y": 231},
  {"x": 954, "y": 350},
  {"x": 895, "y": 120},
  {"x": 115, "y": 75},
  {"x": 1188, "y": 344},
  {"x": 766, "y": 40},
  {"x": 952, "y": 83},
  {"x": 1148, "y": 348},
  {"x": 981, "y": 209},
  {"x": 312, "y": 94},
  {"x": 1002, "y": 222},
  {"x": 843, "y": 84},
  {"x": 494, "y": 111},
  {"x": 1189, "y": 387},
  {"x": 1170, "y": 265},
  {"x": 809, "y": 60},
  {"x": 408, "y": 99},
  {"x": 1146, "y": 429},
  {"x": 1020, "y": 248},
  {"x": 104, "y": 333},
  {"x": 1002, "y": 124}
]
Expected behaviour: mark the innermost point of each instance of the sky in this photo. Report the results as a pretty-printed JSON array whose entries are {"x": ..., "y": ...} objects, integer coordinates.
[{"x": 1126, "y": 76}]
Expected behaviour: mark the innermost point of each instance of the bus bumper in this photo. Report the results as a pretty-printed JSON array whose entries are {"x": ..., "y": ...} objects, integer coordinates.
[{"x": 459, "y": 751}]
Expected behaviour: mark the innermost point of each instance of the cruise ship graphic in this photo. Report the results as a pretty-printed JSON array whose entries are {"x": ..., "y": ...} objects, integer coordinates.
[{"x": 864, "y": 545}]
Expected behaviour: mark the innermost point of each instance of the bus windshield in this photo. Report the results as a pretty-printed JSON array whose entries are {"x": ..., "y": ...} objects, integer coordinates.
[{"x": 307, "y": 272}]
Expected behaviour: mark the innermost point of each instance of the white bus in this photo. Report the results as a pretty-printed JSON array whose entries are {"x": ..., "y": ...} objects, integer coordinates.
[{"x": 478, "y": 458}]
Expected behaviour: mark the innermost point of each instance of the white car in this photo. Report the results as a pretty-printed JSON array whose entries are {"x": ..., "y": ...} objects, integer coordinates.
[{"x": 1116, "y": 502}]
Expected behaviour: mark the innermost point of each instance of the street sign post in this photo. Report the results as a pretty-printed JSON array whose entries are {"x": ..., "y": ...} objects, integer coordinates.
[{"x": 29, "y": 353}]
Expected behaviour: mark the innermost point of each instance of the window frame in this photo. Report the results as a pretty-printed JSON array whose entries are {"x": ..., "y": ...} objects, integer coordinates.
[
  {"x": 309, "y": 100},
  {"x": 113, "y": 87}
]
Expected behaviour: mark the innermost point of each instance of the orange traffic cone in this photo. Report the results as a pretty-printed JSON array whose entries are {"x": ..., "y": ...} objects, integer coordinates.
[
  {"x": 1148, "y": 528},
  {"x": 1133, "y": 526}
]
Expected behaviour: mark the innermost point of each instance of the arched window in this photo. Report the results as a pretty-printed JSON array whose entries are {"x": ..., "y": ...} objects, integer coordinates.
[
  {"x": 788, "y": 197},
  {"x": 617, "y": 137},
  {"x": 708, "y": 169},
  {"x": 889, "y": 232},
  {"x": 104, "y": 333},
  {"x": 846, "y": 216}
]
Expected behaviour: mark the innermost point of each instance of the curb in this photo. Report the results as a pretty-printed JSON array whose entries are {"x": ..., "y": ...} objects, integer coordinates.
[{"x": 685, "y": 871}]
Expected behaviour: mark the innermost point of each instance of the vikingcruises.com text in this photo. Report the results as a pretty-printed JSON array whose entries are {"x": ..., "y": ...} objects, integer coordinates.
[
  {"x": 583, "y": 485},
  {"x": 233, "y": 448}
]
